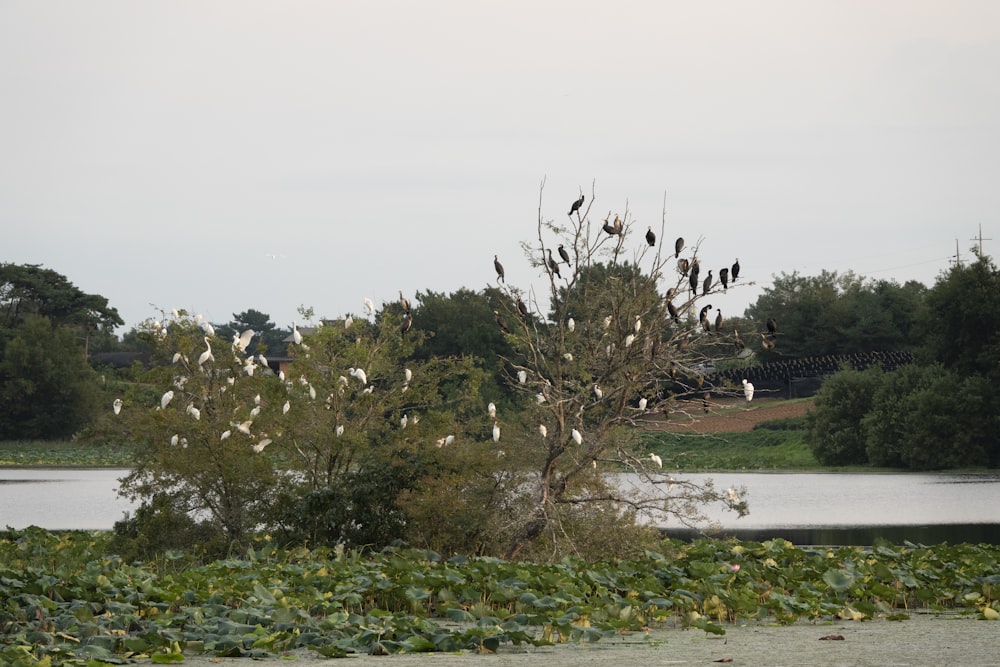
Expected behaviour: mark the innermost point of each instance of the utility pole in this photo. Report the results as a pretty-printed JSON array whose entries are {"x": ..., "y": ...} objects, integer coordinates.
[
  {"x": 980, "y": 239},
  {"x": 958, "y": 258}
]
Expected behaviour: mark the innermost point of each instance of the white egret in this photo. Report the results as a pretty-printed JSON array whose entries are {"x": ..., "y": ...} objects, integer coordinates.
[
  {"x": 296, "y": 336},
  {"x": 262, "y": 359},
  {"x": 403, "y": 421},
  {"x": 571, "y": 324},
  {"x": 657, "y": 460},
  {"x": 174, "y": 439},
  {"x": 281, "y": 376},
  {"x": 642, "y": 403},
  {"x": 207, "y": 327},
  {"x": 312, "y": 392},
  {"x": 348, "y": 322},
  {"x": 408, "y": 374},
  {"x": 255, "y": 411},
  {"x": 193, "y": 411},
  {"x": 259, "y": 447},
  {"x": 439, "y": 442},
  {"x": 492, "y": 409},
  {"x": 244, "y": 427},
  {"x": 496, "y": 432},
  {"x": 340, "y": 430},
  {"x": 369, "y": 306},
  {"x": 165, "y": 400},
  {"x": 607, "y": 321},
  {"x": 416, "y": 419},
  {"x": 544, "y": 431},
  {"x": 184, "y": 443},
  {"x": 748, "y": 390},
  {"x": 177, "y": 357},
  {"x": 522, "y": 377},
  {"x": 206, "y": 356},
  {"x": 598, "y": 392},
  {"x": 368, "y": 390},
  {"x": 540, "y": 398},
  {"x": 638, "y": 323},
  {"x": 117, "y": 405},
  {"x": 577, "y": 437},
  {"x": 286, "y": 407},
  {"x": 225, "y": 434},
  {"x": 360, "y": 374},
  {"x": 449, "y": 440},
  {"x": 568, "y": 356},
  {"x": 256, "y": 399},
  {"x": 629, "y": 339},
  {"x": 243, "y": 340}
]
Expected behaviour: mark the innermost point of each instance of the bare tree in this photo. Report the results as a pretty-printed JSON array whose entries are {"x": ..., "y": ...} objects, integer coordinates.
[{"x": 619, "y": 348}]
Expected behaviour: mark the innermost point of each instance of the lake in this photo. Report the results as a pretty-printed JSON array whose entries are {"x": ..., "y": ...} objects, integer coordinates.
[{"x": 805, "y": 508}]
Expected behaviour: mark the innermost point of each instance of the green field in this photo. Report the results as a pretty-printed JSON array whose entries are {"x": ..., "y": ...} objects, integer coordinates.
[{"x": 58, "y": 453}]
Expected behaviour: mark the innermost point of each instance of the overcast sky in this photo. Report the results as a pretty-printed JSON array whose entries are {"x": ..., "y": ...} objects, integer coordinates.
[{"x": 158, "y": 153}]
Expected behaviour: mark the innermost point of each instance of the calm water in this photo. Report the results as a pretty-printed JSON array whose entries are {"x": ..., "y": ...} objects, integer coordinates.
[{"x": 820, "y": 508}]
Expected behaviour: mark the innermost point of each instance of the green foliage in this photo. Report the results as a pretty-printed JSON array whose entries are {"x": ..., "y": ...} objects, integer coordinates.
[
  {"x": 835, "y": 432},
  {"x": 65, "y": 602},
  {"x": 46, "y": 386},
  {"x": 838, "y": 314},
  {"x": 28, "y": 289}
]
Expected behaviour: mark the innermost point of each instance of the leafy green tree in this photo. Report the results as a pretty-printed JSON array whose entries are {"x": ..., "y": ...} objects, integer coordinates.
[
  {"x": 610, "y": 354},
  {"x": 835, "y": 431},
  {"x": 29, "y": 289},
  {"x": 269, "y": 339},
  {"x": 46, "y": 386}
]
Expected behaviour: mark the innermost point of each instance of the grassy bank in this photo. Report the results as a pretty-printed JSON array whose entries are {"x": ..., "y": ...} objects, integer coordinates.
[
  {"x": 69, "y": 453},
  {"x": 774, "y": 445}
]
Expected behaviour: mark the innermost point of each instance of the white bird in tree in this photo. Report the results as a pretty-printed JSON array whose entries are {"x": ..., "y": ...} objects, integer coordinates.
[
  {"x": 408, "y": 374},
  {"x": 492, "y": 409},
  {"x": 243, "y": 340},
  {"x": 598, "y": 392},
  {"x": 642, "y": 403},
  {"x": 629, "y": 339},
  {"x": 348, "y": 322},
  {"x": 244, "y": 427},
  {"x": 117, "y": 405},
  {"x": 259, "y": 447},
  {"x": 577, "y": 437},
  {"x": 449, "y": 440},
  {"x": 544, "y": 431},
  {"x": 340, "y": 430},
  {"x": 359, "y": 374},
  {"x": 256, "y": 399},
  {"x": 225, "y": 434},
  {"x": 657, "y": 460},
  {"x": 286, "y": 407},
  {"x": 369, "y": 306},
  {"x": 522, "y": 376},
  {"x": 748, "y": 390},
  {"x": 571, "y": 324},
  {"x": 193, "y": 411},
  {"x": 496, "y": 432},
  {"x": 403, "y": 421},
  {"x": 312, "y": 391},
  {"x": 262, "y": 359},
  {"x": 255, "y": 411},
  {"x": 177, "y": 357},
  {"x": 638, "y": 323},
  {"x": 165, "y": 400},
  {"x": 540, "y": 398},
  {"x": 206, "y": 356},
  {"x": 296, "y": 336},
  {"x": 174, "y": 439},
  {"x": 207, "y": 327}
]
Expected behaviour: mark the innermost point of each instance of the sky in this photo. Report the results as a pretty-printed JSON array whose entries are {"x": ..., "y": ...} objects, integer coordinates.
[{"x": 220, "y": 156}]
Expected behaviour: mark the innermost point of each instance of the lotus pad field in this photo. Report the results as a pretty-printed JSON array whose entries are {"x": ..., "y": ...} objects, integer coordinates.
[{"x": 63, "y": 602}]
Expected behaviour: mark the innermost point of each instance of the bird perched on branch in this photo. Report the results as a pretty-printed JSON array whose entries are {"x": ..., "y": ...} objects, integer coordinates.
[
  {"x": 576, "y": 206},
  {"x": 564, "y": 254},
  {"x": 772, "y": 326},
  {"x": 736, "y": 269},
  {"x": 650, "y": 237},
  {"x": 683, "y": 266},
  {"x": 500, "y": 324},
  {"x": 707, "y": 285},
  {"x": 404, "y": 302},
  {"x": 553, "y": 264},
  {"x": 724, "y": 278},
  {"x": 499, "y": 268},
  {"x": 678, "y": 246}
]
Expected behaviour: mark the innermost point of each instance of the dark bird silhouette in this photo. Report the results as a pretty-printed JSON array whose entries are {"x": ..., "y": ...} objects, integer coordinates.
[
  {"x": 404, "y": 302},
  {"x": 718, "y": 321},
  {"x": 521, "y": 308},
  {"x": 500, "y": 324},
  {"x": 772, "y": 326},
  {"x": 672, "y": 309},
  {"x": 499, "y": 267},
  {"x": 678, "y": 246},
  {"x": 736, "y": 269},
  {"x": 693, "y": 278},
  {"x": 703, "y": 315},
  {"x": 724, "y": 278},
  {"x": 405, "y": 325},
  {"x": 650, "y": 237},
  {"x": 564, "y": 254},
  {"x": 576, "y": 206},
  {"x": 553, "y": 264},
  {"x": 683, "y": 266},
  {"x": 707, "y": 285},
  {"x": 609, "y": 229},
  {"x": 765, "y": 343},
  {"x": 738, "y": 342}
]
